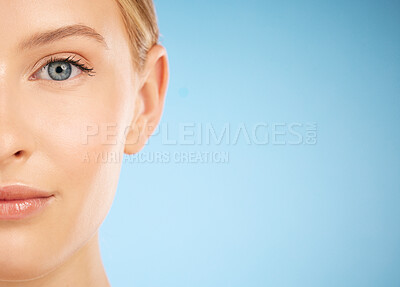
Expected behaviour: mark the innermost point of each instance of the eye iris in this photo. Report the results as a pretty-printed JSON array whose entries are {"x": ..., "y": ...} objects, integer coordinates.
[{"x": 59, "y": 71}]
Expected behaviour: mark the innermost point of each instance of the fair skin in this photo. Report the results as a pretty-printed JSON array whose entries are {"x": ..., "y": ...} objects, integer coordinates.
[{"x": 51, "y": 131}]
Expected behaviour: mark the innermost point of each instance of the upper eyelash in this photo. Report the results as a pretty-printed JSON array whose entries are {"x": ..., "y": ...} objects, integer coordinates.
[{"x": 70, "y": 59}]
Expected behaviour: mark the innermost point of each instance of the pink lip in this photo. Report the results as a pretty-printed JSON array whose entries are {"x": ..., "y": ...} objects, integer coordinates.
[{"x": 21, "y": 201}]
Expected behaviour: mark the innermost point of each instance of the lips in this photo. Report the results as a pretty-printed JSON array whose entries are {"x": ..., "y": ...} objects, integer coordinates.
[{"x": 21, "y": 201}]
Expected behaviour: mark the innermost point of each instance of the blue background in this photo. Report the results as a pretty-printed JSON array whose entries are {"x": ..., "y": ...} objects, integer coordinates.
[{"x": 323, "y": 214}]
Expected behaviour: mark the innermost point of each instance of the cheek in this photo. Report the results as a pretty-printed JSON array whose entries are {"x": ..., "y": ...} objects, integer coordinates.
[
  {"x": 86, "y": 148},
  {"x": 83, "y": 147}
]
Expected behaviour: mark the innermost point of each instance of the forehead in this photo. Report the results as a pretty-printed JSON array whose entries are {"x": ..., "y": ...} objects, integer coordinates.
[{"x": 19, "y": 19}]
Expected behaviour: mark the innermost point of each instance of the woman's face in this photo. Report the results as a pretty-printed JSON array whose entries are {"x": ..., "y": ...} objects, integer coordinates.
[{"x": 67, "y": 94}]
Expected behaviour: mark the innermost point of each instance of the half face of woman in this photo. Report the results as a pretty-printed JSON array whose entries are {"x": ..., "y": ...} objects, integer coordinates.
[{"x": 67, "y": 93}]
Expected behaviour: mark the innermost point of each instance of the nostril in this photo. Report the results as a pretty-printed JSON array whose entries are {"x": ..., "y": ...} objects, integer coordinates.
[{"x": 18, "y": 153}]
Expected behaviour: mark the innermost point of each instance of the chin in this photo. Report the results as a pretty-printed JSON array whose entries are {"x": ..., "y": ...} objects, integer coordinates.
[
  {"x": 22, "y": 258},
  {"x": 22, "y": 267}
]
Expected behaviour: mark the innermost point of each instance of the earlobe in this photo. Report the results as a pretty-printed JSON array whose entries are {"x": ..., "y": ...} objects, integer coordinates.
[{"x": 150, "y": 99}]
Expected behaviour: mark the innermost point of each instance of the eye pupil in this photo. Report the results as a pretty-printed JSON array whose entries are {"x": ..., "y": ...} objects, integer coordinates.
[{"x": 59, "y": 71}]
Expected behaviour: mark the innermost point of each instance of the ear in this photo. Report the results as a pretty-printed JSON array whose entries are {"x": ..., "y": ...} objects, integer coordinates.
[{"x": 149, "y": 103}]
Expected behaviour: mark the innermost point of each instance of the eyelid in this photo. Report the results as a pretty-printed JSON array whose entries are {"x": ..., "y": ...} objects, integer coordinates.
[{"x": 80, "y": 62}]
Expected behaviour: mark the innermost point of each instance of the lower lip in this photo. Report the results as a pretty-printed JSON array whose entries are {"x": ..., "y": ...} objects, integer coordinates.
[{"x": 22, "y": 208}]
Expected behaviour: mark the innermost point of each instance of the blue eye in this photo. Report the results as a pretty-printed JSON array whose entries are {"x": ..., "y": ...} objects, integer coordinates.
[
  {"x": 62, "y": 70},
  {"x": 59, "y": 71}
]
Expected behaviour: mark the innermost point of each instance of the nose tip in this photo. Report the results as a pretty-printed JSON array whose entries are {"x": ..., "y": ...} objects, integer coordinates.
[{"x": 11, "y": 148}]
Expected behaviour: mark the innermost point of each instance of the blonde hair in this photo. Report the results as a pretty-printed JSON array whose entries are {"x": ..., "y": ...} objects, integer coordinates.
[{"x": 141, "y": 24}]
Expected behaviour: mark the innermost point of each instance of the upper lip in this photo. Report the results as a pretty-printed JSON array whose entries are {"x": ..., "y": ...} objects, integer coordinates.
[{"x": 21, "y": 191}]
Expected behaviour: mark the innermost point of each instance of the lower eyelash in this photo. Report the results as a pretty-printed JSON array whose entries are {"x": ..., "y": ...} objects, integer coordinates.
[{"x": 70, "y": 60}]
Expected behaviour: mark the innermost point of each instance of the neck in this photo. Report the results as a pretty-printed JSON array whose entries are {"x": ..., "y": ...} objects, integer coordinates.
[{"x": 83, "y": 269}]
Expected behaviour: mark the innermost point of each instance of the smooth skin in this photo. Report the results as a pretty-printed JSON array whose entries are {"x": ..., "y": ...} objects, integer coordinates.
[{"x": 51, "y": 132}]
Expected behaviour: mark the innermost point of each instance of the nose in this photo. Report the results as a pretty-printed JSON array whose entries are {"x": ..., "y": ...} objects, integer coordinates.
[
  {"x": 11, "y": 147},
  {"x": 15, "y": 146}
]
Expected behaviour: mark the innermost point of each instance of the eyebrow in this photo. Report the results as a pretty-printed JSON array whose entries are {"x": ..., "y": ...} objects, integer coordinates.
[{"x": 78, "y": 30}]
